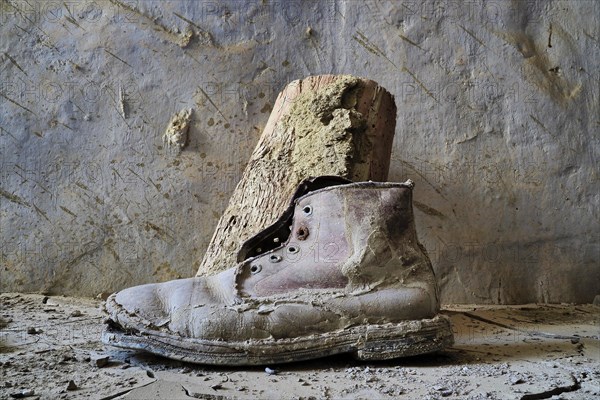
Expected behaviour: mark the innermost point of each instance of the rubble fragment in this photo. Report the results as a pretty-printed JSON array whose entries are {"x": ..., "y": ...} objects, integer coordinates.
[
  {"x": 72, "y": 386},
  {"x": 23, "y": 394}
]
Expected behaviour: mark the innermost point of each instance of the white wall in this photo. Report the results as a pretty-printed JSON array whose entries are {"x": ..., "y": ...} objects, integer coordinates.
[{"x": 497, "y": 123}]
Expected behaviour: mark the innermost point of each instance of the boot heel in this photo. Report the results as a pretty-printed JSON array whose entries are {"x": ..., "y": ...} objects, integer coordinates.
[{"x": 407, "y": 338}]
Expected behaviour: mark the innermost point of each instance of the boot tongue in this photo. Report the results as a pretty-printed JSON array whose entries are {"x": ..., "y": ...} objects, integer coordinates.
[{"x": 277, "y": 233}]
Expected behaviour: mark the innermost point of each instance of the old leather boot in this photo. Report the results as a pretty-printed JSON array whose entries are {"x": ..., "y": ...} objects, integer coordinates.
[{"x": 340, "y": 271}]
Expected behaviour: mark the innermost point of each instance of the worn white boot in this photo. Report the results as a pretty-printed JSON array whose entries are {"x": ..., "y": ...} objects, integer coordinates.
[{"x": 341, "y": 271}]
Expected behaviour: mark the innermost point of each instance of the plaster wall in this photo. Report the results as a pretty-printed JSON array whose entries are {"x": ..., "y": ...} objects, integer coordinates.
[{"x": 497, "y": 124}]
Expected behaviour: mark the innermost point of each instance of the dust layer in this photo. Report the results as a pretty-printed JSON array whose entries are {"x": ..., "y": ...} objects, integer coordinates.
[{"x": 328, "y": 132}]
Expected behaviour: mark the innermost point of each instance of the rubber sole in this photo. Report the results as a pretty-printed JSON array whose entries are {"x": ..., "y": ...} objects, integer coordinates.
[{"x": 365, "y": 342}]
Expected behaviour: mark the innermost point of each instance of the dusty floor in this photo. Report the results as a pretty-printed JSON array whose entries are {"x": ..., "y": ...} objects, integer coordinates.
[{"x": 523, "y": 352}]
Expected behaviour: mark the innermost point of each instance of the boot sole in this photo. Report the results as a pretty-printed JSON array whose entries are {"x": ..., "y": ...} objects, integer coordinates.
[{"x": 365, "y": 342}]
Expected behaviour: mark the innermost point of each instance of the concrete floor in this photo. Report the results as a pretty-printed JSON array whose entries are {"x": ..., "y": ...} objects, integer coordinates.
[{"x": 519, "y": 352}]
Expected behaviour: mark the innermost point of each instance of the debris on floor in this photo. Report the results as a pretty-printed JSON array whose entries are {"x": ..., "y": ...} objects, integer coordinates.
[{"x": 519, "y": 352}]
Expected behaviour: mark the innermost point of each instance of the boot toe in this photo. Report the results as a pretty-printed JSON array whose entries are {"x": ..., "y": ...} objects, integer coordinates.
[
  {"x": 136, "y": 307},
  {"x": 174, "y": 307}
]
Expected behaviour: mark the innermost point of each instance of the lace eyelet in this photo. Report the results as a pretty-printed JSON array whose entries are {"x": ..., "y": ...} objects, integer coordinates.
[
  {"x": 255, "y": 268},
  {"x": 275, "y": 258},
  {"x": 293, "y": 249},
  {"x": 302, "y": 232},
  {"x": 307, "y": 210}
]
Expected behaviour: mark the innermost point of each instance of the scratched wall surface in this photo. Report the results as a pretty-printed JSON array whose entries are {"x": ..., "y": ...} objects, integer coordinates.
[{"x": 497, "y": 125}]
